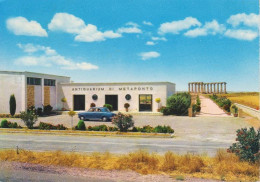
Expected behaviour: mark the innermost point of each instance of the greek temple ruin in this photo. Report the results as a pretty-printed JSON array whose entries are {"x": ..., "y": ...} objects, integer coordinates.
[{"x": 207, "y": 88}]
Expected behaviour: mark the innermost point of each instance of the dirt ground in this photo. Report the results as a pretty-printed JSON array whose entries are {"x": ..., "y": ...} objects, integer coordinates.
[{"x": 15, "y": 171}]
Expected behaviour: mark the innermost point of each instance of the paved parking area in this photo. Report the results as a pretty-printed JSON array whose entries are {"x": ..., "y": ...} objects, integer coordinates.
[{"x": 196, "y": 128}]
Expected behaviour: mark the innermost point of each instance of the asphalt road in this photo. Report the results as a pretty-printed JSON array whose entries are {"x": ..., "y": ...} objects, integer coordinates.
[{"x": 111, "y": 144}]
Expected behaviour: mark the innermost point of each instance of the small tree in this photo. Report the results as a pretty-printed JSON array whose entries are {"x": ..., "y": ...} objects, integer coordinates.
[
  {"x": 71, "y": 114},
  {"x": 81, "y": 125},
  {"x": 123, "y": 122},
  {"x": 12, "y": 104},
  {"x": 247, "y": 147},
  {"x": 110, "y": 107},
  {"x": 158, "y": 100},
  {"x": 126, "y": 106},
  {"x": 29, "y": 118},
  {"x": 63, "y": 100}
]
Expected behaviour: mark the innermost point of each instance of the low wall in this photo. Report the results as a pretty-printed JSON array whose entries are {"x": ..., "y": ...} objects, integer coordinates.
[{"x": 249, "y": 110}]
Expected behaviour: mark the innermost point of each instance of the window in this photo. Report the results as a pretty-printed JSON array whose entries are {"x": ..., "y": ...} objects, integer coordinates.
[
  {"x": 49, "y": 82},
  {"x": 33, "y": 81}
]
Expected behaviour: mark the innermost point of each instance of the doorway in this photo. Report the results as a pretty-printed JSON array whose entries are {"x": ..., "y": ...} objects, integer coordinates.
[
  {"x": 112, "y": 100},
  {"x": 79, "y": 102},
  {"x": 145, "y": 102}
]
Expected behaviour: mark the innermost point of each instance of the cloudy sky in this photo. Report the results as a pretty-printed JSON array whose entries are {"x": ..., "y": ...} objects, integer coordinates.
[{"x": 142, "y": 40}]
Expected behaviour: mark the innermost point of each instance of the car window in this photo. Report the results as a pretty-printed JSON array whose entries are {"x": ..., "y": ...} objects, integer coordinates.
[
  {"x": 98, "y": 110},
  {"x": 106, "y": 110},
  {"x": 91, "y": 110}
]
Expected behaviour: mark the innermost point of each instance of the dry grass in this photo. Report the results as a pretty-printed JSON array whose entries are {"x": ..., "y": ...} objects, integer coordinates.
[
  {"x": 250, "y": 99},
  {"x": 223, "y": 166}
]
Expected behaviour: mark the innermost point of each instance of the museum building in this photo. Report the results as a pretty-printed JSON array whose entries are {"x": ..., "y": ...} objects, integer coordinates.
[{"x": 37, "y": 89}]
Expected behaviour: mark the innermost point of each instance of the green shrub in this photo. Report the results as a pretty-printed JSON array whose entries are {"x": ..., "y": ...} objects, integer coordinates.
[
  {"x": 179, "y": 103},
  {"x": 123, "y": 122},
  {"x": 112, "y": 128},
  {"x": 29, "y": 118},
  {"x": 12, "y": 104},
  {"x": 147, "y": 129},
  {"x": 81, "y": 125},
  {"x": 4, "y": 124},
  {"x": 165, "y": 110},
  {"x": 234, "y": 109},
  {"x": 39, "y": 111},
  {"x": 134, "y": 129},
  {"x": 48, "y": 126},
  {"x": 198, "y": 100},
  {"x": 247, "y": 145},
  {"x": 163, "y": 129},
  {"x": 47, "y": 109},
  {"x": 110, "y": 107}
]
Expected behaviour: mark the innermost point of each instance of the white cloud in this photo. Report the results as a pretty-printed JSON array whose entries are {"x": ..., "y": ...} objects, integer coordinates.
[
  {"x": 251, "y": 20},
  {"x": 241, "y": 34},
  {"x": 147, "y": 23},
  {"x": 175, "y": 27},
  {"x": 159, "y": 38},
  {"x": 212, "y": 28},
  {"x": 151, "y": 43},
  {"x": 69, "y": 23},
  {"x": 21, "y": 26},
  {"x": 149, "y": 55},
  {"x": 49, "y": 57},
  {"x": 130, "y": 27}
]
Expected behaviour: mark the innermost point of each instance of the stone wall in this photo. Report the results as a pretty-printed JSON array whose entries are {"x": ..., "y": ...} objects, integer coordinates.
[
  {"x": 30, "y": 96},
  {"x": 249, "y": 110}
]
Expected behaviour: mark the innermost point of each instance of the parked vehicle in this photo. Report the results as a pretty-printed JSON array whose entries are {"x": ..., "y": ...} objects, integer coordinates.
[{"x": 97, "y": 113}]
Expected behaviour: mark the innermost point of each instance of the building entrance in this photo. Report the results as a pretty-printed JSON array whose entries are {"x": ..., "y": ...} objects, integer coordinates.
[
  {"x": 79, "y": 102},
  {"x": 112, "y": 100},
  {"x": 145, "y": 102}
]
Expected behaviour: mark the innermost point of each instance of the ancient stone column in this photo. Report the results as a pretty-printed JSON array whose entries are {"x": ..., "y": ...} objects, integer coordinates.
[
  {"x": 192, "y": 88},
  {"x": 198, "y": 87},
  {"x": 221, "y": 88},
  {"x": 202, "y": 87},
  {"x": 189, "y": 87},
  {"x": 217, "y": 87},
  {"x": 208, "y": 88},
  {"x": 214, "y": 87},
  {"x": 225, "y": 87}
]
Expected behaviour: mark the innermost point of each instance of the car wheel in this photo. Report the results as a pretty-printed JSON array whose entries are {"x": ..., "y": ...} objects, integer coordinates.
[{"x": 104, "y": 119}]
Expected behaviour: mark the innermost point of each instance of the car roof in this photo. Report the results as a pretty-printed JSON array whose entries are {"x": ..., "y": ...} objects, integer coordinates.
[{"x": 98, "y": 107}]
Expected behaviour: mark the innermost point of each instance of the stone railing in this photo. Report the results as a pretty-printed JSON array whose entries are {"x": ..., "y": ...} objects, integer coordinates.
[{"x": 249, "y": 110}]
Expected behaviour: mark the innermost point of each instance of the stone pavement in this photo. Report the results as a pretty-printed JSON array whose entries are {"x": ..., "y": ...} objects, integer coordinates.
[{"x": 209, "y": 108}]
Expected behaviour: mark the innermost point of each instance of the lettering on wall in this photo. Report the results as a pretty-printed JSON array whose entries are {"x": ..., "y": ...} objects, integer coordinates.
[{"x": 146, "y": 88}]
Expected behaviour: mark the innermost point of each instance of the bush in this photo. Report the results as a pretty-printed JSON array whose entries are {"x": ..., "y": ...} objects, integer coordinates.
[
  {"x": 163, "y": 129},
  {"x": 81, "y": 125},
  {"x": 92, "y": 105},
  {"x": 48, "y": 126},
  {"x": 39, "y": 111},
  {"x": 123, "y": 122},
  {"x": 178, "y": 104},
  {"x": 29, "y": 118},
  {"x": 110, "y": 107},
  {"x": 47, "y": 109},
  {"x": 234, "y": 109},
  {"x": 247, "y": 147},
  {"x": 12, "y": 104},
  {"x": 147, "y": 129},
  {"x": 9, "y": 116},
  {"x": 126, "y": 105},
  {"x": 198, "y": 101},
  {"x": 4, "y": 124},
  {"x": 165, "y": 110}
]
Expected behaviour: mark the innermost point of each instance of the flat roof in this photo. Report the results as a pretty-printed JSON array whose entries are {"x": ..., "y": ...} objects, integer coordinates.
[
  {"x": 118, "y": 83},
  {"x": 24, "y": 72}
]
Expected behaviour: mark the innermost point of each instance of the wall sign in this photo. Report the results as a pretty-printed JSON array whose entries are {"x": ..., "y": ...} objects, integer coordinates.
[
  {"x": 128, "y": 97},
  {"x": 142, "y": 88},
  {"x": 94, "y": 97}
]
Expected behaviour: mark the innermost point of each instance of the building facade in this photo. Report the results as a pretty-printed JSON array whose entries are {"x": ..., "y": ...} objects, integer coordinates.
[{"x": 35, "y": 89}]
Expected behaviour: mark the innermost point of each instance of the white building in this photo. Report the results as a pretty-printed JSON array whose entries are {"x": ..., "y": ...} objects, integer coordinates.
[{"x": 36, "y": 89}]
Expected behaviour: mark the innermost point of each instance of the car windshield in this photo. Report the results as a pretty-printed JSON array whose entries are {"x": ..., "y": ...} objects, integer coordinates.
[
  {"x": 91, "y": 110},
  {"x": 106, "y": 109}
]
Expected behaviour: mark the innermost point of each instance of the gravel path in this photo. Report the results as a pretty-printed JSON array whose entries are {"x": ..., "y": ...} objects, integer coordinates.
[
  {"x": 209, "y": 108},
  {"x": 15, "y": 171}
]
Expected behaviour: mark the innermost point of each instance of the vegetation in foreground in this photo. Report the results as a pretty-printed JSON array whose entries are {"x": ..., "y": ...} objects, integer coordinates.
[
  {"x": 250, "y": 99},
  {"x": 224, "y": 165}
]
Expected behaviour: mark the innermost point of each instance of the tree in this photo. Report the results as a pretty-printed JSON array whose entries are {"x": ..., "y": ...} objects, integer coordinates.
[
  {"x": 71, "y": 114},
  {"x": 29, "y": 118},
  {"x": 12, "y": 104}
]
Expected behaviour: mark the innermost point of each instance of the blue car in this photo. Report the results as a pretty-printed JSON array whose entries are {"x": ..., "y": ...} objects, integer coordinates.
[{"x": 97, "y": 113}]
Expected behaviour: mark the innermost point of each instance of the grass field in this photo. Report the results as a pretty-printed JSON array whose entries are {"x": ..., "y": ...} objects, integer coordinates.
[
  {"x": 250, "y": 99},
  {"x": 224, "y": 166}
]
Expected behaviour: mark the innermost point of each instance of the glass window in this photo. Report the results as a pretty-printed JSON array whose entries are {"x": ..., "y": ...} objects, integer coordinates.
[
  {"x": 33, "y": 81},
  {"x": 49, "y": 82}
]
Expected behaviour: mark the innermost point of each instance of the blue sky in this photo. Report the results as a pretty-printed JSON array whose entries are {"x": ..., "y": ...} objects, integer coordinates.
[{"x": 123, "y": 41}]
